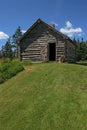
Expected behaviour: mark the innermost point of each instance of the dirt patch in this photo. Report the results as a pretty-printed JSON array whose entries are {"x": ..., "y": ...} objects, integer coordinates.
[{"x": 29, "y": 69}]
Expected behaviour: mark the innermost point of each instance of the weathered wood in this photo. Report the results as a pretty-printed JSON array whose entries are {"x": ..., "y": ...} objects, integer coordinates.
[{"x": 35, "y": 44}]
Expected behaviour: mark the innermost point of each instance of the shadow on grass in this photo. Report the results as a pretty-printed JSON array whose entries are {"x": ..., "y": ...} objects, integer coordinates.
[{"x": 83, "y": 63}]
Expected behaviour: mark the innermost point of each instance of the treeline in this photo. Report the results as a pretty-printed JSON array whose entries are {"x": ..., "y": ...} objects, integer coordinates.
[
  {"x": 81, "y": 50},
  {"x": 10, "y": 49}
]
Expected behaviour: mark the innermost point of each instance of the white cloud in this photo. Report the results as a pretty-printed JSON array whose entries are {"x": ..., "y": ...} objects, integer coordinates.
[
  {"x": 23, "y": 31},
  {"x": 70, "y": 31},
  {"x": 68, "y": 24},
  {"x": 3, "y": 36}
]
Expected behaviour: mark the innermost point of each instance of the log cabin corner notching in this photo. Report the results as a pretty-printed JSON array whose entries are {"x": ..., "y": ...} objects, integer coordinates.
[{"x": 42, "y": 43}]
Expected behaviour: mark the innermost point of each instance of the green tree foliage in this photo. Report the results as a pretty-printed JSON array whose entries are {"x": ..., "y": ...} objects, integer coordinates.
[
  {"x": 81, "y": 50},
  {"x": 3, "y": 51},
  {"x": 8, "y": 49},
  {"x": 0, "y": 54},
  {"x": 15, "y": 38}
]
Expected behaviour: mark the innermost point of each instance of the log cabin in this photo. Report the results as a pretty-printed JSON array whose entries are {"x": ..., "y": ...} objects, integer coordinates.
[{"x": 43, "y": 43}]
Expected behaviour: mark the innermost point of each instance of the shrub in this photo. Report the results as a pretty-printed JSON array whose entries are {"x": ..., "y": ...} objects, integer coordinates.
[{"x": 9, "y": 69}]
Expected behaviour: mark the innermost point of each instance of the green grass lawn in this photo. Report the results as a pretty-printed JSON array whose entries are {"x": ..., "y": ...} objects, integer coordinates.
[{"x": 48, "y": 96}]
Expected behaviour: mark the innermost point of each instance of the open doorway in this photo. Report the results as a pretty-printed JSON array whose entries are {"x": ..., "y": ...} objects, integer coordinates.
[{"x": 52, "y": 51}]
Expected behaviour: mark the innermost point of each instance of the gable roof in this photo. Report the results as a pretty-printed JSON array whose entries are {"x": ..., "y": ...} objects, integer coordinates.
[{"x": 53, "y": 29}]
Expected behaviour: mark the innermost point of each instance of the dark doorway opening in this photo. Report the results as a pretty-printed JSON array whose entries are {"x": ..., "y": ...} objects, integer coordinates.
[{"x": 52, "y": 51}]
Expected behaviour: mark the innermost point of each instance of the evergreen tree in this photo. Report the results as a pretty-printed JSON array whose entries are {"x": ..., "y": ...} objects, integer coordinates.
[
  {"x": 15, "y": 38},
  {"x": 0, "y": 54},
  {"x": 8, "y": 49},
  {"x": 81, "y": 50},
  {"x": 3, "y": 51}
]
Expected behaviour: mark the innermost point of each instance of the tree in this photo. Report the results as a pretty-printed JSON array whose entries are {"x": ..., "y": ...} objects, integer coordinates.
[
  {"x": 15, "y": 38},
  {"x": 81, "y": 50},
  {"x": 8, "y": 49},
  {"x": 3, "y": 51},
  {"x": 0, "y": 54}
]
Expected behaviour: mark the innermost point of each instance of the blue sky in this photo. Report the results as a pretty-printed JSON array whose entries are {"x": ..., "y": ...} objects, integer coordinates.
[{"x": 69, "y": 16}]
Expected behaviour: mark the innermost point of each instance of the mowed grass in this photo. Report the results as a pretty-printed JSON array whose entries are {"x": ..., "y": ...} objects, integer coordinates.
[{"x": 48, "y": 96}]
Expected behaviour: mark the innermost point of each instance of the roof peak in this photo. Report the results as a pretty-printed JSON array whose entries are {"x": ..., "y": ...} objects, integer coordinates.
[{"x": 39, "y": 20}]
